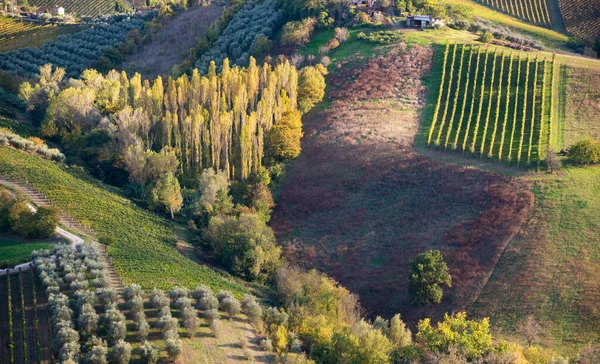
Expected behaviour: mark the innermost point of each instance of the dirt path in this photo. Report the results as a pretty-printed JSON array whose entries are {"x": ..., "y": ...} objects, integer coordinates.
[{"x": 558, "y": 23}]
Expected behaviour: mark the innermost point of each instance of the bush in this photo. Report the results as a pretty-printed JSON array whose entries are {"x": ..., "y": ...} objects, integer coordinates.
[
  {"x": 380, "y": 37},
  {"x": 428, "y": 272},
  {"x": 341, "y": 34},
  {"x": 266, "y": 344},
  {"x": 486, "y": 37},
  {"x": 231, "y": 306},
  {"x": 585, "y": 152}
]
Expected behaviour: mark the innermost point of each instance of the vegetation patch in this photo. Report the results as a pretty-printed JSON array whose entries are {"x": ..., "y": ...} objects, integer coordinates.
[
  {"x": 533, "y": 11},
  {"x": 380, "y": 37},
  {"x": 144, "y": 244},
  {"x": 16, "y": 34},
  {"x": 14, "y": 252}
]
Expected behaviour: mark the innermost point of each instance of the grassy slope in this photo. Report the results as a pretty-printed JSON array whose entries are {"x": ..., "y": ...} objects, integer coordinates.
[
  {"x": 19, "y": 34},
  {"x": 549, "y": 36},
  {"x": 13, "y": 252},
  {"x": 550, "y": 270},
  {"x": 143, "y": 252}
]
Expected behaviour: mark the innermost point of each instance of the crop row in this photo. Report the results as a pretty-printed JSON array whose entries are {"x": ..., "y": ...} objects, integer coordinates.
[
  {"x": 73, "y": 52},
  {"x": 582, "y": 17},
  {"x": 21, "y": 333},
  {"x": 533, "y": 11},
  {"x": 493, "y": 104},
  {"x": 80, "y": 7}
]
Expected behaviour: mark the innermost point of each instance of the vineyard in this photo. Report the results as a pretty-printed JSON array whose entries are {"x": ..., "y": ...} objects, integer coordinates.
[
  {"x": 582, "y": 17},
  {"x": 493, "y": 104},
  {"x": 16, "y": 33},
  {"x": 24, "y": 320},
  {"x": 73, "y": 52},
  {"x": 532, "y": 11},
  {"x": 80, "y": 7},
  {"x": 143, "y": 248}
]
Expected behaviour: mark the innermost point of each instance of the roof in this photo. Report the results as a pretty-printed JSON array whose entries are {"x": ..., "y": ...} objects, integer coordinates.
[
  {"x": 44, "y": 8},
  {"x": 422, "y": 17}
]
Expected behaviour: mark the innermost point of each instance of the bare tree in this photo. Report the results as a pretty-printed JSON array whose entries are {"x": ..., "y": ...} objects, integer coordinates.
[
  {"x": 552, "y": 162},
  {"x": 530, "y": 329}
]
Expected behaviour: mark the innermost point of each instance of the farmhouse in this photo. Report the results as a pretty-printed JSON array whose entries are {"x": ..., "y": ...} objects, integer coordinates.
[
  {"x": 147, "y": 10},
  {"x": 53, "y": 10},
  {"x": 423, "y": 21},
  {"x": 369, "y": 3}
]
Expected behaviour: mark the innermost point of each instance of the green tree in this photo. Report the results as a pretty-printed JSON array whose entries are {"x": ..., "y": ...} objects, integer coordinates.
[
  {"x": 470, "y": 337},
  {"x": 45, "y": 221},
  {"x": 283, "y": 140},
  {"x": 167, "y": 193},
  {"x": 428, "y": 272},
  {"x": 311, "y": 87},
  {"x": 585, "y": 152}
]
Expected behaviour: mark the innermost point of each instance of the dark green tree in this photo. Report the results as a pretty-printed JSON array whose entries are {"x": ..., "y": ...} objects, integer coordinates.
[{"x": 427, "y": 273}]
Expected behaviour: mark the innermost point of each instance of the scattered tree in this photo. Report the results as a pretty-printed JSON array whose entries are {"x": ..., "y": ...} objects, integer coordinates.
[
  {"x": 428, "y": 272},
  {"x": 530, "y": 329}
]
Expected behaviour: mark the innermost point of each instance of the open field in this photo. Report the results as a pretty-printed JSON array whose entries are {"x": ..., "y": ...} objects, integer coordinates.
[
  {"x": 533, "y": 11},
  {"x": 14, "y": 252},
  {"x": 550, "y": 270},
  {"x": 29, "y": 339},
  {"x": 580, "y": 108},
  {"x": 144, "y": 248},
  {"x": 581, "y": 17},
  {"x": 492, "y": 104},
  {"x": 16, "y": 34},
  {"x": 169, "y": 45},
  {"x": 359, "y": 204},
  {"x": 80, "y": 7}
]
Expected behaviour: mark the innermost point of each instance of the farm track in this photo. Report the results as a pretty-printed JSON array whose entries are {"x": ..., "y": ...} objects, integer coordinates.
[
  {"x": 39, "y": 199},
  {"x": 17, "y": 320},
  {"x": 43, "y": 324},
  {"x": 4, "y": 329},
  {"x": 30, "y": 329}
]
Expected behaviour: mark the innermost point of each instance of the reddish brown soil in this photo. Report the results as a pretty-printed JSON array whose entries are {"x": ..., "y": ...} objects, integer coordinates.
[{"x": 359, "y": 203}]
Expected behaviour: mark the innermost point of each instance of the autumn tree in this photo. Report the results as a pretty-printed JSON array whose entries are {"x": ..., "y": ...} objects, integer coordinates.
[
  {"x": 311, "y": 87},
  {"x": 283, "y": 140},
  {"x": 428, "y": 272},
  {"x": 552, "y": 162},
  {"x": 585, "y": 152},
  {"x": 530, "y": 330}
]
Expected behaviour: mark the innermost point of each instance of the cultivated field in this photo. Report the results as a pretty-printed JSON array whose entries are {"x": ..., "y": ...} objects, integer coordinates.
[
  {"x": 170, "y": 44},
  {"x": 581, "y": 105},
  {"x": 23, "y": 308},
  {"x": 80, "y": 7},
  {"x": 533, "y": 11},
  {"x": 493, "y": 104},
  {"x": 144, "y": 248},
  {"x": 359, "y": 204},
  {"x": 581, "y": 17},
  {"x": 16, "y": 34}
]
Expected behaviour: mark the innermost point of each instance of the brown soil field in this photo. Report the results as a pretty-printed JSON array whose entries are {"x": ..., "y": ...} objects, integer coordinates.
[
  {"x": 169, "y": 45},
  {"x": 359, "y": 203}
]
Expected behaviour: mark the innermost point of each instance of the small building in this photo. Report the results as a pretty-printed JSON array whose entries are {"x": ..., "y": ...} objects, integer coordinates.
[
  {"x": 147, "y": 10},
  {"x": 368, "y": 3},
  {"x": 423, "y": 21},
  {"x": 52, "y": 10}
]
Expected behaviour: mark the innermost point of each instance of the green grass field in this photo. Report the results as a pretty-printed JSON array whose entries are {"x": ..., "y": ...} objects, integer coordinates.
[
  {"x": 533, "y": 11},
  {"x": 144, "y": 251},
  {"x": 13, "y": 252},
  {"x": 550, "y": 270}
]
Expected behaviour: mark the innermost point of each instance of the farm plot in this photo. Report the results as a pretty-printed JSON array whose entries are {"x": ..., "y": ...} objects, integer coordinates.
[
  {"x": 5, "y": 337},
  {"x": 43, "y": 323},
  {"x": 493, "y": 104},
  {"x": 17, "y": 33},
  {"x": 532, "y": 11},
  {"x": 581, "y": 17},
  {"x": 19, "y": 350},
  {"x": 80, "y": 7}
]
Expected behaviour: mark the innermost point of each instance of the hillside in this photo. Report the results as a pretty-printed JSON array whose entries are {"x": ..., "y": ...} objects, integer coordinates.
[
  {"x": 144, "y": 244},
  {"x": 16, "y": 34},
  {"x": 170, "y": 44},
  {"x": 532, "y": 11},
  {"x": 359, "y": 203},
  {"x": 80, "y": 7}
]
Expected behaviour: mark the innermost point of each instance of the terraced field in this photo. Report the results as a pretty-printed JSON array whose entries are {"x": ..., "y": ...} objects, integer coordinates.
[
  {"x": 493, "y": 104},
  {"x": 532, "y": 11}
]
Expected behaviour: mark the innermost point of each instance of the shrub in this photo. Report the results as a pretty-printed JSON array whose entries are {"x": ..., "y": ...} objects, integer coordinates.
[
  {"x": 266, "y": 344},
  {"x": 380, "y": 37},
  {"x": 341, "y": 34},
  {"x": 585, "y": 152},
  {"x": 486, "y": 37},
  {"x": 428, "y": 272},
  {"x": 174, "y": 348}
]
